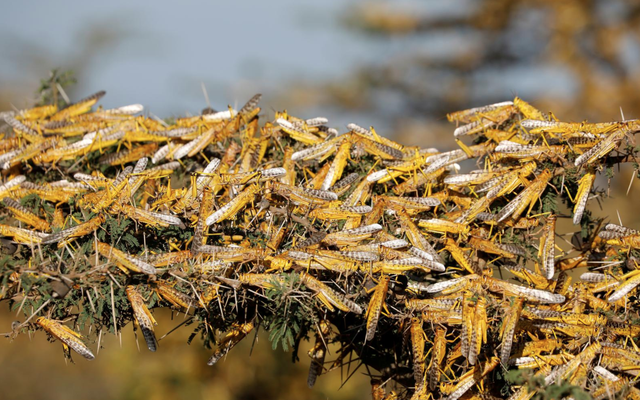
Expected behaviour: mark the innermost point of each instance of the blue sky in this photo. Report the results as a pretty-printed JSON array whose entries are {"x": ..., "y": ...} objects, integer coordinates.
[
  {"x": 162, "y": 50},
  {"x": 158, "y": 53}
]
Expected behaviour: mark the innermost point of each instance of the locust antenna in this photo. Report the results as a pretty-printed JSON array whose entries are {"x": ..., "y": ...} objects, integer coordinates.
[
  {"x": 63, "y": 93},
  {"x": 206, "y": 95}
]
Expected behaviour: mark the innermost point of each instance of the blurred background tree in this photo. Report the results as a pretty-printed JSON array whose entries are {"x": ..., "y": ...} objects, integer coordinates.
[
  {"x": 400, "y": 66},
  {"x": 577, "y": 58}
]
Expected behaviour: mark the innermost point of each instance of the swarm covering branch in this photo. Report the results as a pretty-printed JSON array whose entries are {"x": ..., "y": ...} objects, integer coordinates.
[{"x": 349, "y": 238}]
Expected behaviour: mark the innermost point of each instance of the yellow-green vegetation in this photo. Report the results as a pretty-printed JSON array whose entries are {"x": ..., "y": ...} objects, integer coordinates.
[{"x": 438, "y": 282}]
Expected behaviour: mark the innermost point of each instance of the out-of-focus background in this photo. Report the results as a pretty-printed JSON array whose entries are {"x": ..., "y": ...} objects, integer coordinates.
[{"x": 397, "y": 65}]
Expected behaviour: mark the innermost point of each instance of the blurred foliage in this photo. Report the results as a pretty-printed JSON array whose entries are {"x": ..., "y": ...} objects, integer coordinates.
[
  {"x": 579, "y": 58},
  {"x": 49, "y": 90}
]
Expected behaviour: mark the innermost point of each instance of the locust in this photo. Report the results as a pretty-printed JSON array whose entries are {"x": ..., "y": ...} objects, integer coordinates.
[
  {"x": 582, "y": 196},
  {"x": 417, "y": 348},
  {"x": 69, "y": 338},
  {"x": 233, "y": 337},
  {"x": 318, "y": 352},
  {"x": 375, "y": 306},
  {"x": 143, "y": 318},
  {"x": 125, "y": 261}
]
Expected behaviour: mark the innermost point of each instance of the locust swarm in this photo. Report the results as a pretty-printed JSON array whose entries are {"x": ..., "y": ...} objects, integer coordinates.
[{"x": 443, "y": 282}]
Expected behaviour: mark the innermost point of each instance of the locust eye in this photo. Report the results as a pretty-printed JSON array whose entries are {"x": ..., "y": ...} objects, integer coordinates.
[{"x": 398, "y": 284}]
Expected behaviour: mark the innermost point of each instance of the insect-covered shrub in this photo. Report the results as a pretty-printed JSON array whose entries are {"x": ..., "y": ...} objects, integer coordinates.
[{"x": 446, "y": 283}]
